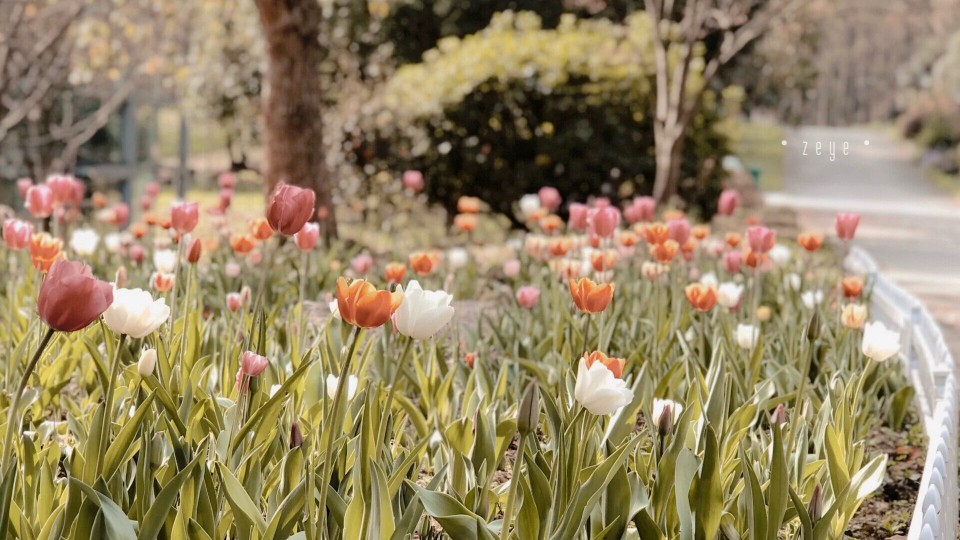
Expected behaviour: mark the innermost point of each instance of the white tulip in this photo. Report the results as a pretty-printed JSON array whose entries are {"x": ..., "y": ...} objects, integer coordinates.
[
  {"x": 84, "y": 242},
  {"x": 812, "y": 299},
  {"x": 135, "y": 313},
  {"x": 457, "y": 258},
  {"x": 333, "y": 381},
  {"x": 665, "y": 414},
  {"x": 747, "y": 336},
  {"x": 792, "y": 282},
  {"x": 423, "y": 313},
  {"x": 529, "y": 204},
  {"x": 879, "y": 343},
  {"x": 710, "y": 280},
  {"x": 147, "y": 361},
  {"x": 113, "y": 242},
  {"x": 780, "y": 254},
  {"x": 165, "y": 260},
  {"x": 729, "y": 294},
  {"x": 599, "y": 391}
]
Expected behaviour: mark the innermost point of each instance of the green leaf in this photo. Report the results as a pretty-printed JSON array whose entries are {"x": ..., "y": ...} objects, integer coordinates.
[
  {"x": 454, "y": 517},
  {"x": 118, "y": 525},
  {"x": 153, "y": 521},
  {"x": 245, "y": 510}
]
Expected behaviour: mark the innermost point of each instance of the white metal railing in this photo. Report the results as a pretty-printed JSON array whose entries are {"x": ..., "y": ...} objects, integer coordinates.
[{"x": 931, "y": 369}]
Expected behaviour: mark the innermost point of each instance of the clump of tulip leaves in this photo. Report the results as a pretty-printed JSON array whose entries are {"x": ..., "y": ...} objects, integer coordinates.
[{"x": 770, "y": 443}]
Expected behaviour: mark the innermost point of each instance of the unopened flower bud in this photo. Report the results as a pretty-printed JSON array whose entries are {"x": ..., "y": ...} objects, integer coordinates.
[
  {"x": 779, "y": 416},
  {"x": 815, "y": 508},
  {"x": 529, "y": 414},
  {"x": 296, "y": 437}
]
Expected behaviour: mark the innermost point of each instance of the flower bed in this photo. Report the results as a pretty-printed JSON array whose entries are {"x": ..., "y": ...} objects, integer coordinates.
[{"x": 647, "y": 379}]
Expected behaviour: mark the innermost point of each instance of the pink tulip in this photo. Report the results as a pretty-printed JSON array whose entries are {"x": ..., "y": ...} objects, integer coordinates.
[
  {"x": 306, "y": 239},
  {"x": 62, "y": 188},
  {"x": 184, "y": 216},
  {"x": 527, "y": 296},
  {"x": 603, "y": 221},
  {"x": 137, "y": 253},
  {"x": 846, "y": 224},
  {"x": 226, "y": 198},
  {"x": 251, "y": 365},
  {"x": 232, "y": 269},
  {"x": 120, "y": 214},
  {"x": 679, "y": 230},
  {"x": 578, "y": 216},
  {"x": 23, "y": 184},
  {"x": 413, "y": 180},
  {"x": 760, "y": 238},
  {"x": 39, "y": 201},
  {"x": 146, "y": 202},
  {"x": 511, "y": 268},
  {"x": 601, "y": 202},
  {"x": 234, "y": 302},
  {"x": 550, "y": 198},
  {"x": 153, "y": 188},
  {"x": 732, "y": 261},
  {"x": 17, "y": 233},
  {"x": 728, "y": 202},
  {"x": 641, "y": 209},
  {"x": 362, "y": 263},
  {"x": 226, "y": 180}
]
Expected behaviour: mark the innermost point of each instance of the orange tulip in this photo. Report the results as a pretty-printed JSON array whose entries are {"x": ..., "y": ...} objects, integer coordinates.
[
  {"x": 44, "y": 251},
  {"x": 628, "y": 239},
  {"x": 664, "y": 252},
  {"x": 604, "y": 260},
  {"x": 673, "y": 214},
  {"x": 242, "y": 243},
  {"x": 361, "y": 304},
  {"x": 468, "y": 205},
  {"x": 689, "y": 246},
  {"x": 465, "y": 222},
  {"x": 151, "y": 218},
  {"x": 615, "y": 365},
  {"x": 567, "y": 269},
  {"x": 162, "y": 281},
  {"x": 732, "y": 239},
  {"x": 551, "y": 223},
  {"x": 394, "y": 272},
  {"x": 700, "y": 232},
  {"x": 164, "y": 222},
  {"x": 700, "y": 296},
  {"x": 138, "y": 230},
  {"x": 560, "y": 246},
  {"x": 422, "y": 262},
  {"x": 656, "y": 233},
  {"x": 590, "y": 297},
  {"x": 753, "y": 259},
  {"x": 261, "y": 229},
  {"x": 810, "y": 241},
  {"x": 852, "y": 286}
]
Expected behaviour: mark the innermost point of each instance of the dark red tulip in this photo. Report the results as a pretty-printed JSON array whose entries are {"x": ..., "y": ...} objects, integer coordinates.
[
  {"x": 71, "y": 298},
  {"x": 194, "y": 250},
  {"x": 290, "y": 207}
]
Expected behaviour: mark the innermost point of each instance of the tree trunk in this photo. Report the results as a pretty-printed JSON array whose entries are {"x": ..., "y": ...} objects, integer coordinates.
[
  {"x": 294, "y": 147},
  {"x": 669, "y": 150}
]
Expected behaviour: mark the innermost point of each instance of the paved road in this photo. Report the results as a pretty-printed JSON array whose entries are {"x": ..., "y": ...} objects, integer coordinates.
[{"x": 909, "y": 226}]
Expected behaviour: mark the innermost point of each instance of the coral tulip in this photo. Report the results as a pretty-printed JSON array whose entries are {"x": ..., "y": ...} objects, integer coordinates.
[
  {"x": 664, "y": 252},
  {"x": 361, "y": 304},
  {"x": 701, "y": 297},
  {"x": 423, "y": 262},
  {"x": 71, "y": 298},
  {"x": 465, "y": 222},
  {"x": 468, "y": 205},
  {"x": 261, "y": 229},
  {"x": 656, "y": 233},
  {"x": 810, "y": 241},
  {"x": 590, "y": 297},
  {"x": 551, "y": 223},
  {"x": 603, "y": 221},
  {"x": 44, "y": 250},
  {"x": 846, "y": 225},
  {"x": 615, "y": 365},
  {"x": 761, "y": 239},
  {"x": 194, "y": 250},
  {"x": 852, "y": 286},
  {"x": 603, "y": 260},
  {"x": 242, "y": 243},
  {"x": 394, "y": 272},
  {"x": 289, "y": 208}
]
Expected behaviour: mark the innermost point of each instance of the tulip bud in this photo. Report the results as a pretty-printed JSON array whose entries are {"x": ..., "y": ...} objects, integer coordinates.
[
  {"x": 528, "y": 415},
  {"x": 289, "y": 208},
  {"x": 779, "y": 416},
  {"x": 764, "y": 313},
  {"x": 120, "y": 278},
  {"x": 813, "y": 328},
  {"x": 435, "y": 440},
  {"x": 147, "y": 362},
  {"x": 194, "y": 250},
  {"x": 413, "y": 180},
  {"x": 296, "y": 437},
  {"x": 815, "y": 508}
]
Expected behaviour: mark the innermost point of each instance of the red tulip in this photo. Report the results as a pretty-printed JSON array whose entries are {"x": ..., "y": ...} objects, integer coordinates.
[
  {"x": 71, "y": 298},
  {"x": 290, "y": 207},
  {"x": 194, "y": 250},
  {"x": 39, "y": 201},
  {"x": 184, "y": 216},
  {"x": 17, "y": 233},
  {"x": 847, "y": 225},
  {"x": 306, "y": 238},
  {"x": 728, "y": 202}
]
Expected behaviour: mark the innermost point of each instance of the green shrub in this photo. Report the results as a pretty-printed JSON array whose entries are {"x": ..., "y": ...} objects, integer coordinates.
[{"x": 512, "y": 108}]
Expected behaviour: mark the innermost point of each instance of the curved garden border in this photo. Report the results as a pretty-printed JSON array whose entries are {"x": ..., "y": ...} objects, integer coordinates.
[{"x": 933, "y": 373}]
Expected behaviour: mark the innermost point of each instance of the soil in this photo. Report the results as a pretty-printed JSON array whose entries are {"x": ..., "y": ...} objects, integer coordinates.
[{"x": 887, "y": 514}]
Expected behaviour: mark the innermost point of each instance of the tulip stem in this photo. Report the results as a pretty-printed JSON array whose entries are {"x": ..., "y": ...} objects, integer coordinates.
[
  {"x": 394, "y": 380},
  {"x": 514, "y": 482},
  {"x": 7, "y": 447},
  {"x": 108, "y": 402},
  {"x": 335, "y": 427},
  {"x": 801, "y": 390}
]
